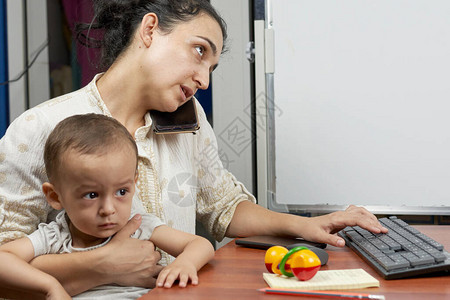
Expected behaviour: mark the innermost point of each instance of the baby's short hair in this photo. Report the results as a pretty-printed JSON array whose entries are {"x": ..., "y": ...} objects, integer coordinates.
[{"x": 85, "y": 134}]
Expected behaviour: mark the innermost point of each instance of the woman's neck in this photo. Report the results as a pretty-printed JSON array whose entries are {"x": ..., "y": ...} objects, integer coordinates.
[{"x": 120, "y": 94}]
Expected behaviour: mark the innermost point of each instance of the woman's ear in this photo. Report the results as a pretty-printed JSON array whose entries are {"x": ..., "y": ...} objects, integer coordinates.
[
  {"x": 149, "y": 24},
  {"x": 51, "y": 195}
]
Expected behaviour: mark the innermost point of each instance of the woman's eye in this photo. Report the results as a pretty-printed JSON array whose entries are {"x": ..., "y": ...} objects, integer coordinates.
[
  {"x": 91, "y": 195},
  {"x": 121, "y": 192},
  {"x": 200, "y": 50}
]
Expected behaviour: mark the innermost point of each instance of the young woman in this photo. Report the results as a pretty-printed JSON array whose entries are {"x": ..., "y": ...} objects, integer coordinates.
[{"x": 157, "y": 54}]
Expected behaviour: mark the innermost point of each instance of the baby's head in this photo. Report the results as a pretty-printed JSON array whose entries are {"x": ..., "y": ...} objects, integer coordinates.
[
  {"x": 91, "y": 163},
  {"x": 92, "y": 134}
]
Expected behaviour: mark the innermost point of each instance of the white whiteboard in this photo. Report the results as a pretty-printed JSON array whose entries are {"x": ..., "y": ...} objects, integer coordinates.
[{"x": 362, "y": 96}]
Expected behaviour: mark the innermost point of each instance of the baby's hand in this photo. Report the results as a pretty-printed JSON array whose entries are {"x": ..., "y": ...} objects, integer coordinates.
[{"x": 177, "y": 270}]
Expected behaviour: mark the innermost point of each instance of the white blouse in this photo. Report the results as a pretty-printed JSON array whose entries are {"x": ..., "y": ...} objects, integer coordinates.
[{"x": 181, "y": 176}]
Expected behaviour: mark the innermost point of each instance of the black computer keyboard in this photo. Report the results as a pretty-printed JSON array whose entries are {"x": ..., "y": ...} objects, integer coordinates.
[{"x": 402, "y": 252}]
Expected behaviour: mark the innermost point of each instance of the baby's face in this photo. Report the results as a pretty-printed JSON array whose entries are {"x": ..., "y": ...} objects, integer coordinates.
[{"x": 96, "y": 191}]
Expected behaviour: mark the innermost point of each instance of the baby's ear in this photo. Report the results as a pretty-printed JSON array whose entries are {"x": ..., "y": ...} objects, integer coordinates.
[{"x": 51, "y": 195}]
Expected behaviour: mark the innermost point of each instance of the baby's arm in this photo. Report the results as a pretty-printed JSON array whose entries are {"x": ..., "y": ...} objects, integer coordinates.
[
  {"x": 192, "y": 252},
  {"x": 19, "y": 279}
]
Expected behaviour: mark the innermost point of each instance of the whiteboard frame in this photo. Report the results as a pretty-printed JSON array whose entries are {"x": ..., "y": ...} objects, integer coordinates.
[{"x": 267, "y": 147}]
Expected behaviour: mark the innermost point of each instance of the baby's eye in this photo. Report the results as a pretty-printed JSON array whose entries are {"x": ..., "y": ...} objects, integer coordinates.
[
  {"x": 121, "y": 192},
  {"x": 200, "y": 50},
  {"x": 91, "y": 195}
]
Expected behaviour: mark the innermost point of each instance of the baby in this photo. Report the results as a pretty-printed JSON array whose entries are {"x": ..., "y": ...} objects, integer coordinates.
[{"x": 91, "y": 163}]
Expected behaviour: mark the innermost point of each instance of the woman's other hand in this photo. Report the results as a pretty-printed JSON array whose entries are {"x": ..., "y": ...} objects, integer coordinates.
[{"x": 130, "y": 261}]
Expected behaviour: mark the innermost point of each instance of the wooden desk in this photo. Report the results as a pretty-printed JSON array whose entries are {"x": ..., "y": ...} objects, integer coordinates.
[{"x": 236, "y": 273}]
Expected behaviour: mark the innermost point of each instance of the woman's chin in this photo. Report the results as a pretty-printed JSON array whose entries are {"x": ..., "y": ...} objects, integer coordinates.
[{"x": 171, "y": 107}]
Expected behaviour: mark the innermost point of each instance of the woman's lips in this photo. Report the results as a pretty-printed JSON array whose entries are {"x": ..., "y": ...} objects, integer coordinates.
[{"x": 186, "y": 92}]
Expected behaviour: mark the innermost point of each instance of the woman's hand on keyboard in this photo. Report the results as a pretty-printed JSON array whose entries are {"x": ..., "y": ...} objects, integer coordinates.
[{"x": 323, "y": 228}]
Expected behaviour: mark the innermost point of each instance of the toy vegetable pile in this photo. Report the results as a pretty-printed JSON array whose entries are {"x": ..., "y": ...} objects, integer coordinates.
[{"x": 299, "y": 261}]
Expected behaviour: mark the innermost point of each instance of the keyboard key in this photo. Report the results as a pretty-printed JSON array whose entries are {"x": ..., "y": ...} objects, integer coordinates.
[
  {"x": 438, "y": 256},
  {"x": 399, "y": 260},
  {"x": 431, "y": 241},
  {"x": 368, "y": 247},
  {"x": 379, "y": 244},
  {"x": 400, "y": 222},
  {"x": 354, "y": 236},
  {"x": 390, "y": 242},
  {"x": 390, "y": 264},
  {"x": 412, "y": 230},
  {"x": 388, "y": 251},
  {"x": 417, "y": 261},
  {"x": 365, "y": 233}
]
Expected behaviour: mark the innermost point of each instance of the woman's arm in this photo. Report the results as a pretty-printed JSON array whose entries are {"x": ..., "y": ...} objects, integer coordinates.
[
  {"x": 192, "y": 252},
  {"x": 251, "y": 219},
  {"x": 124, "y": 261},
  {"x": 225, "y": 207},
  {"x": 18, "y": 278},
  {"x": 23, "y": 205}
]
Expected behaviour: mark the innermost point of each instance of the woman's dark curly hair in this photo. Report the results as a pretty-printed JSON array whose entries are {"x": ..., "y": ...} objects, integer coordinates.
[{"x": 118, "y": 20}]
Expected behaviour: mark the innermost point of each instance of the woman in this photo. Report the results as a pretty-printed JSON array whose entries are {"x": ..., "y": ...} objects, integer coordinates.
[{"x": 157, "y": 54}]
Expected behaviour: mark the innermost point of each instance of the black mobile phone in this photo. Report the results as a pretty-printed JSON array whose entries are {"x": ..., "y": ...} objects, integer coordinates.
[
  {"x": 265, "y": 242},
  {"x": 184, "y": 119}
]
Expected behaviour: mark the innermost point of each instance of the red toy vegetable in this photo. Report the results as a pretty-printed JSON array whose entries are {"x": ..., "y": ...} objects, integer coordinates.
[{"x": 303, "y": 263}]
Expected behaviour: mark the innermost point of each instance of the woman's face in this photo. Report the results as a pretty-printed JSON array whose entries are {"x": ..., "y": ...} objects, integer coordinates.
[{"x": 178, "y": 63}]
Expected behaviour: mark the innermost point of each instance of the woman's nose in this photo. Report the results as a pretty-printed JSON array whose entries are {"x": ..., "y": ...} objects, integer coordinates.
[{"x": 202, "y": 78}]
